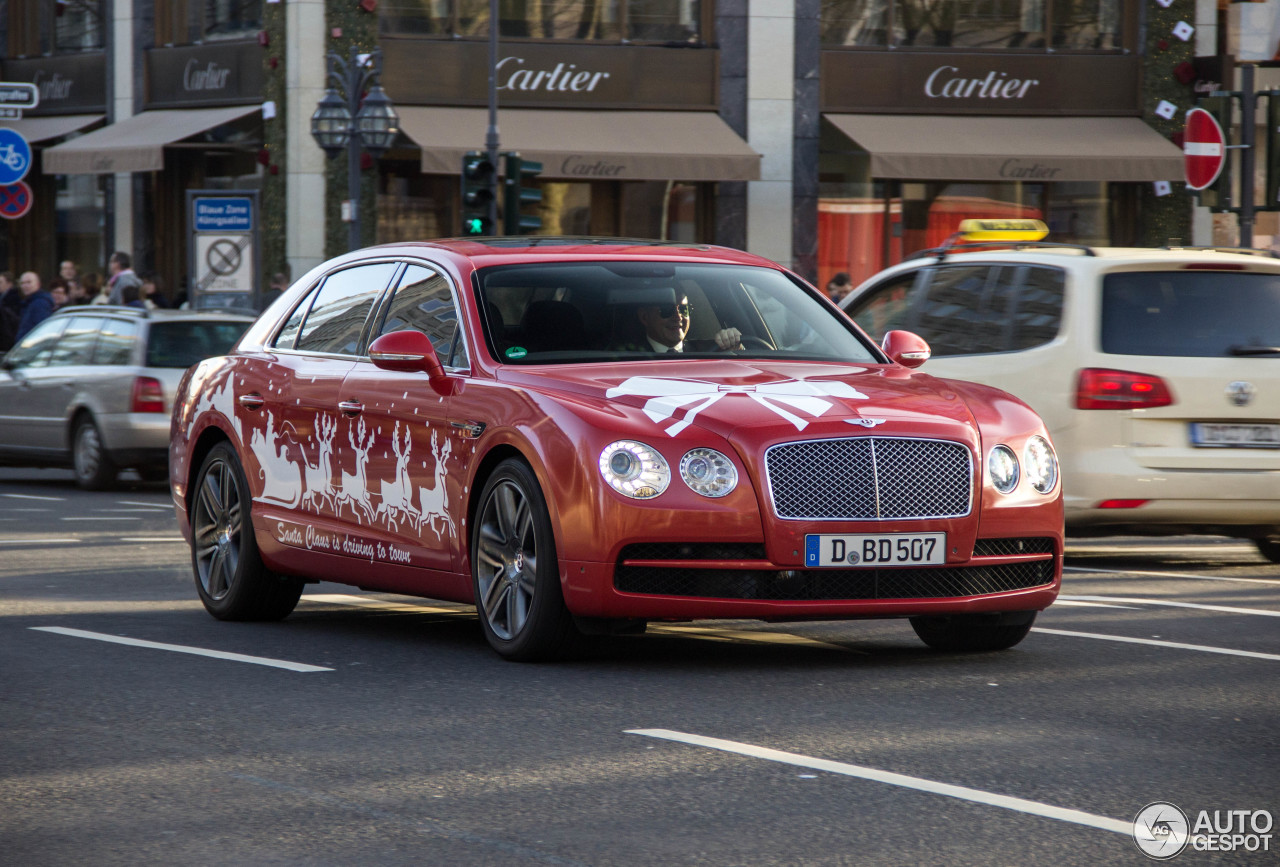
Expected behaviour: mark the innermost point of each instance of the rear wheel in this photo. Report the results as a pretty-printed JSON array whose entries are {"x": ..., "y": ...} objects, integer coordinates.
[
  {"x": 515, "y": 574},
  {"x": 231, "y": 578},
  {"x": 973, "y": 632},
  {"x": 93, "y": 467},
  {"x": 1269, "y": 547}
]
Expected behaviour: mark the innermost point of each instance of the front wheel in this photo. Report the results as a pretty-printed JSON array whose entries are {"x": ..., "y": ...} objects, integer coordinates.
[
  {"x": 92, "y": 465},
  {"x": 515, "y": 574},
  {"x": 974, "y": 632},
  {"x": 232, "y": 580}
]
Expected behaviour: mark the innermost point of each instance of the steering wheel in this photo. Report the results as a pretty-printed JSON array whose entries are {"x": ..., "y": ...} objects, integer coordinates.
[{"x": 748, "y": 341}]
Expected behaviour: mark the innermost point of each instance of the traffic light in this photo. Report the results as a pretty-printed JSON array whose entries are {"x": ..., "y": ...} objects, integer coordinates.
[
  {"x": 518, "y": 194},
  {"x": 478, "y": 206},
  {"x": 1217, "y": 195}
]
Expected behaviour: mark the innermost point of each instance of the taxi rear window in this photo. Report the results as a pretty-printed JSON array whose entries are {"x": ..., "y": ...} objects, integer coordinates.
[{"x": 1198, "y": 314}]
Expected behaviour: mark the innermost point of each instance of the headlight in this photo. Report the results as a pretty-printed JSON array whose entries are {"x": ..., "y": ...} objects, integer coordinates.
[
  {"x": 634, "y": 469},
  {"x": 708, "y": 472},
  {"x": 1041, "y": 464},
  {"x": 1002, "y": 469}
]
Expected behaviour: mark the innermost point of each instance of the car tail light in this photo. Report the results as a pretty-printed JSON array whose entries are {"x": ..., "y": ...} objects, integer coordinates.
[
  {"x": 148, "y": 396},
  {"x": 1120, "y": 389},
  {"x": 1122, "y": 504}
]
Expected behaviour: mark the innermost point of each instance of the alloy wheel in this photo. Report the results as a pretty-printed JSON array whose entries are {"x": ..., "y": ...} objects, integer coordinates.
[
  {"x": 216, "y": 525},
  {"x": 508, "y": 560}
]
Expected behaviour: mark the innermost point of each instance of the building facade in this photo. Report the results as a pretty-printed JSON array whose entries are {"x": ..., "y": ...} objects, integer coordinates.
[{"x": 829, "y": 135}]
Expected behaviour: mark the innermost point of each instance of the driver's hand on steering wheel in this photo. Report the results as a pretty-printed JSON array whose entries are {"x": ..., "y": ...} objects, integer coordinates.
[{"x": 728, "y": 338}]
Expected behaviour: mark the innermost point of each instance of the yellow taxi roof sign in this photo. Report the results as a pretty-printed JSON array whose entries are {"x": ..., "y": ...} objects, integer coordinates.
[{"x": 1003, "y": 230}]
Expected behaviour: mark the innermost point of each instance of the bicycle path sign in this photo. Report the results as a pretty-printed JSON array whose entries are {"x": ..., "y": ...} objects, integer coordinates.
[{"x": 15, "y": 156}]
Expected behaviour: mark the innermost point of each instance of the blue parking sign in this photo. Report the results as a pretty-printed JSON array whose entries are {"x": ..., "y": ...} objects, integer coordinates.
[{"x": 15, "y": 156}]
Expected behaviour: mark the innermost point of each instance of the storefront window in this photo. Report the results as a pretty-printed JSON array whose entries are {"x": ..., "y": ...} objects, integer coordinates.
[
  {"x": 80, "y": 218},
  {"x": 232, "y": 19},
  {"x": 78, "y": 25},
  {"x": 590, "y": 20},
  {"x": 972, "y": 24},
  {"x": 413, "y": 206}
]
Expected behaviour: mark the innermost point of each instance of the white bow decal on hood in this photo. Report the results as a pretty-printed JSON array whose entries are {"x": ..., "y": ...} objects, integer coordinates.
[{"x": 669, "y": 395}]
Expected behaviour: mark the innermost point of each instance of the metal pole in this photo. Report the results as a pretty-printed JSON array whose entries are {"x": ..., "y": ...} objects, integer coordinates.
[
  {"x": 1248, "y": 136},
  {"x": 491, "y": 134},
  {"x": 353, "y": 150}
]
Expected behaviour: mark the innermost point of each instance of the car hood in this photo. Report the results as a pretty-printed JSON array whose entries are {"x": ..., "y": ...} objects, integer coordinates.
[{"x": 724, "y": 396}]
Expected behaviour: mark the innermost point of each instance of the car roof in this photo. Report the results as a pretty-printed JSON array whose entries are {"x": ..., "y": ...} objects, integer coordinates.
[
  {"x": 1047, "y": 251},
  {"x": 161, "y": 314}
]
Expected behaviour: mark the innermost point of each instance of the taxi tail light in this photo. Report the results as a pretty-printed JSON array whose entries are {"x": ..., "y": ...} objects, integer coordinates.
[
  {"x": 1098, "y": 388},
  {"x": 148, "y": 395},
  {"x": 1122, "y": 504}
]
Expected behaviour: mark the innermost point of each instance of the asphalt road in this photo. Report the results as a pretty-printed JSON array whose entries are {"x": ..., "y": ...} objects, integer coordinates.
[{"x": 405, "y": 740}]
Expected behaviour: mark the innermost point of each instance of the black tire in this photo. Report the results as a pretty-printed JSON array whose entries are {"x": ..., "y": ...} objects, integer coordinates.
[
  {"x": 974, "y": 632},
  {"x": 1269, "y": 547},
  {"x": 231, "y": 579},
  {"x": 93, "y": 467},
  {"x": 514, "y": 571},
  {"x": 155, "y": 473}
]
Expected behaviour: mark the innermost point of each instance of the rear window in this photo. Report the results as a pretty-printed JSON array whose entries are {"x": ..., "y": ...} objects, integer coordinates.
[
  {"x": 182, "y": 344},
  {"x": 1206, "y": 314}
]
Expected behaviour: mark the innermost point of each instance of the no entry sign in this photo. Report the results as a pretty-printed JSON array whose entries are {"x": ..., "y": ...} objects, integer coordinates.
[
  {"x": 1204, "y": 149},
  {"x": 15, "y": 200}
]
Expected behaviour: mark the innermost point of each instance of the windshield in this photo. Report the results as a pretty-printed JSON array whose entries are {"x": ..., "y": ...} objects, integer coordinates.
[
  {"x": 564, "y": 313},
  {"x": 182, "y": 344},
  {"x": 1206, "y": 314}
]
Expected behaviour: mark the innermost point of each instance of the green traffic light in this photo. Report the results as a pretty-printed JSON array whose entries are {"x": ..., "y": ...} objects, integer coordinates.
[{"x": 474, "y": 226}]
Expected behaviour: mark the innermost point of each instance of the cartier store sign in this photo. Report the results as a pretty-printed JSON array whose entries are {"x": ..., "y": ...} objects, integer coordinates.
[
  {"x": 220, "y": 74},
  {"x": 70, "y": 84},
  {"x": 929, "y": 83},
  {"x": 545, "y": 75}
]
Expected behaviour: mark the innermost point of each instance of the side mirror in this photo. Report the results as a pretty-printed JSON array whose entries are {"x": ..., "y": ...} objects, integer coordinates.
[
  {"x": 408, "y": 352},
  {"x": 905, "y": 348}
]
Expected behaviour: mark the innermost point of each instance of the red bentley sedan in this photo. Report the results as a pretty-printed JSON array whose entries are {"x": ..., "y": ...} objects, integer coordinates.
[{"x": 583, "y": 435}]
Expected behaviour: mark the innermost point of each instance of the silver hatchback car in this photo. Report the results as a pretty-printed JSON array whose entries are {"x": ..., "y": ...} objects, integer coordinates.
[{"x": 93, "y": 387}]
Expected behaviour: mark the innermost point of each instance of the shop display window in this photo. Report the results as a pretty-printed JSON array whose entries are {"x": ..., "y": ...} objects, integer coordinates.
[
  {"x": 974, "y": 24},
  {"x": 39, "y": 27},
  {"x": 584, "y": 20},
  {"x": 184, "y": 22}
]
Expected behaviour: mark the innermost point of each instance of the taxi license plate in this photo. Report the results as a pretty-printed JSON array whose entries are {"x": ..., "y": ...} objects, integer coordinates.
[
  {"x": 875, "y": 549},
  {"x": 1240, "y": 436}
]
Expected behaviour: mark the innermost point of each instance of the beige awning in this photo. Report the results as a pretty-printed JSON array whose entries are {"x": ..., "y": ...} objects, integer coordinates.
[
  {"x": 1037, "y": 149},
  {"x": 589, "y": 145},
  {"x": 136, "y": 144},
  {"x": 38, "y": 129}
]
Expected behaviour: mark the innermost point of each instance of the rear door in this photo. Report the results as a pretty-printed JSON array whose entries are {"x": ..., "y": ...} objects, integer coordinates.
[
  {"x": 52, "y": 387},
  {"x": 1214, "y": 338},
  {"x": 24, "y": 371}
]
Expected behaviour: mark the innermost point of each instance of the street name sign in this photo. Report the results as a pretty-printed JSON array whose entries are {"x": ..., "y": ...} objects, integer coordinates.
[{"x": 1204, "y": 149}]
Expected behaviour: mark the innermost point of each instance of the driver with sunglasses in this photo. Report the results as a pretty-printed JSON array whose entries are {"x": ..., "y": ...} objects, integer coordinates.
[{"x": 665, "y": 326}]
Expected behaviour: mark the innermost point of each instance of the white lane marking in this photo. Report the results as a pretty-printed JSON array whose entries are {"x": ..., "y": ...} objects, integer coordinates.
[
  {"x": 361, "y": 602},
  {"x": 137, "y": 509},
  {"x": 920, "y": 784},
  {"x": 1169, "y": 575},
  {"x": 38, "y": 541},
  {"x": 1088, "y": 600},
  {"x": 179, "y": 648},
  {"x": 748, "y": 635},
  {"x": 1159, "y": 549},
  {"x": 174, "y": 539},
  {"x": 162, "y": 506},
  {"x": 1075, "y": 600},
  {"x": 99, "y": 518},
  {"x": 27, "y": 510},
  {"x": 33, "y": 497},
  {"x": 1154, "y": 643}
]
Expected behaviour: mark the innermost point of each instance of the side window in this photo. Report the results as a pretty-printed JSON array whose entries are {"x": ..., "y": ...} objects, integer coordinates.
[
  {"x": 337, "y": 316},
  {"x": 116, "y": 342},
  {"x": 76, "y": 345},
  {"x": 289, "y": 333},
  {"x": 952, "y": 319},
  {"x": 36, "y": 347},
  {"x": 424, "y": 303},
  {"x": 1038, "y": 314},
  {"x": 886, "y": 307}
]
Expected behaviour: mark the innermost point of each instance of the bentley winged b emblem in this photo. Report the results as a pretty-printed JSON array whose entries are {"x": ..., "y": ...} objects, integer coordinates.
[
  {"x": 667, "y": 396},
  {"x": 866, "y": 422}
]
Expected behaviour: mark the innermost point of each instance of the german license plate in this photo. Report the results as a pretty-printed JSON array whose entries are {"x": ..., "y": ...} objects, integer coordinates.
[
  {"x": 875, "y": 549},
  {"x": 1246, "y": 436}
]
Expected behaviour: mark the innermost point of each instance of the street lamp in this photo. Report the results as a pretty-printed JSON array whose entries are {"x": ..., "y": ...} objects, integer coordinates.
[{"x": 345, "y": 120}]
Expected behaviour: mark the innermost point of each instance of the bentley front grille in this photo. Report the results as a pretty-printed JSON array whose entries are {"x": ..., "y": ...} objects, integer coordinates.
[{"x": 870, "y": 478}]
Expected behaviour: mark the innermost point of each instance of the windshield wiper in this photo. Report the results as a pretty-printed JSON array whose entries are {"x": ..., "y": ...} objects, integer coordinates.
[{"x": 1253, "y": 350}]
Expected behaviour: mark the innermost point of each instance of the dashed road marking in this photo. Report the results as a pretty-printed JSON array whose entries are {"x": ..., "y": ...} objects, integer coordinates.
[
  {"x": 720, "y": 634},
  {"x": 1075, "y": 601},
  {"x": 180, "y": 648},
  {"x": 382, "y": 604},
  {"x": 45, "y": 541},
  {"x": 175, "y": 539},
  {"x": 1169, "y": 575},
  {"x": 33, "y": 497},
  {"x": 1155, "y": 643},
  {"x": 162, "y": 506},
  {"x": 920, "y": 784},
  {"x": 1226, "y": 609},
  {"x": 98, "y": 518}
]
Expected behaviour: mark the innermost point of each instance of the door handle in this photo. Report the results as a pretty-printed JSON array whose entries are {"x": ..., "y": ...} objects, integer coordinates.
[
  {"x": 251, "y": 401},
  {"x": 351, "y": 407}
]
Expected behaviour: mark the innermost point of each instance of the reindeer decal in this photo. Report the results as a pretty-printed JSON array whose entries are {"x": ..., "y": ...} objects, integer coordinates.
[
  {"x": 435, "y": 500},
  {"x": 354, "y": 490},
  {"x": 281, "y": 477},
  {"x": 319, "y": 478},
  {"x": 397, "y": 494}
]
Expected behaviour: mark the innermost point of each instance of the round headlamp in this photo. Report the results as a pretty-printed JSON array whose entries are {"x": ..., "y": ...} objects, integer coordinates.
[
  {"x": 634, "y": 469},
  {"x": 708, "y": 472},
  {"x": 1041, "y": 463},
  {"x": 1002, "y": 469}
]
